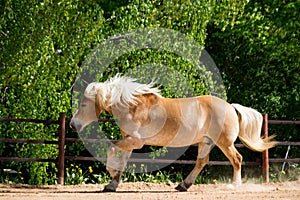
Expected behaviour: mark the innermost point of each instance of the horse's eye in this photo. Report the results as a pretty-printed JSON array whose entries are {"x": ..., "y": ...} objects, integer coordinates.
[{"x": 83, "y": 105}]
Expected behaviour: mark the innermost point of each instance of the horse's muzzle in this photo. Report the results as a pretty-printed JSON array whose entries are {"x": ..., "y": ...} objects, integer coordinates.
[{"x": 75, "y": 125}]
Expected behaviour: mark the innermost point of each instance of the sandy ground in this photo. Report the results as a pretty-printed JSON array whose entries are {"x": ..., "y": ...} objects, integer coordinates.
[{"x": 149, "y": 191}]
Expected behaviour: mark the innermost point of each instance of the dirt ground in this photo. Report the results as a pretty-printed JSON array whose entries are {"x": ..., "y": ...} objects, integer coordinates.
[{"x": 149, "y": 191}]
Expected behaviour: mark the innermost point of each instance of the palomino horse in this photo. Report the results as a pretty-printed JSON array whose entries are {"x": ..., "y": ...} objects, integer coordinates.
[{"x": 146, "y": 118}]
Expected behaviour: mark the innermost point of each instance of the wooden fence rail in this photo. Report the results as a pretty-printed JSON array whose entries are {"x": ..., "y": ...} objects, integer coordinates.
[{"x": 62, "y": 142}]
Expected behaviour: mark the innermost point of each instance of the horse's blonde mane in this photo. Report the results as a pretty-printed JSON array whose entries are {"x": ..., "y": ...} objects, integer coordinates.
[{"x": 120, "y": 90}]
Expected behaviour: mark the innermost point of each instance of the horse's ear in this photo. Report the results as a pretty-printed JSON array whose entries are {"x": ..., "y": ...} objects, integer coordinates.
[{"x": 94, "y": 88}]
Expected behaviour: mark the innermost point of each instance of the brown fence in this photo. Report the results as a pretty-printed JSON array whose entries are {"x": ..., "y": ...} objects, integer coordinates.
[{"x": 62, "y": 140}]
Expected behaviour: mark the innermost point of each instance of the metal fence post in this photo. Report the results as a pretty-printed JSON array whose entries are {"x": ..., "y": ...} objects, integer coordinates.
[
  {"x": 265, "y": 154},
  {"x": 61, "y": 148}
]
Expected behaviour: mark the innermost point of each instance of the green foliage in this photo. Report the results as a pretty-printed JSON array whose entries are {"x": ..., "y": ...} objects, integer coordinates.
[
  {"x": 291, "y": 173},
  {"x": 227, "y": 13},
  {"x": 158, "y": 152},
  {"x": 42, "y": 45},
  {"x": 260, "y": 58},
  {"x": 9, "y": 176},
  {"x": 75, "y": 175}
]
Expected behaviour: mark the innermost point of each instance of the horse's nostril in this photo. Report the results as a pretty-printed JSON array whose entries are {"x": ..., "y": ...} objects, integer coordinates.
[
  {"x": 75, "y": 125},
  {"x": 72, "y": 125}
]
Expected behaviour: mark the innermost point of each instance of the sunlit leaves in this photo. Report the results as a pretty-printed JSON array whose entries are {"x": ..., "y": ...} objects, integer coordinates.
[{"x": 42, "y": 45}]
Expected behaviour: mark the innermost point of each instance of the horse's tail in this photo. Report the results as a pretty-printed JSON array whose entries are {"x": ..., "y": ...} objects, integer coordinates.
[{"x": 250, "y": 124}]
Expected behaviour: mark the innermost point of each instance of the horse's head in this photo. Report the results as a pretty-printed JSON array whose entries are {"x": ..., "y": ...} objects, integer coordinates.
[{"x": 90, "y": 107}]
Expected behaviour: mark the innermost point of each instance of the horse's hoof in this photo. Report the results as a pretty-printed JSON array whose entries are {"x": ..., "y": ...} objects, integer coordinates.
[
  {"x": 109, "y": 189},
  {"x": 181, "y": 187}
]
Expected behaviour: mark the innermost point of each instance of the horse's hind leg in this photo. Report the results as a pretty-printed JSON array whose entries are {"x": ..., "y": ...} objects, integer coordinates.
[
  {"x": 202, "y": 159},
  {"x": 236, "y": 161},
  {"x": 189, "y": 180}
]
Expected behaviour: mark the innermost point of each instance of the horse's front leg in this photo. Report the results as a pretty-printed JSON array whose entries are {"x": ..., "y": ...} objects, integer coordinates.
[
  {"x": 117, "y": 158},
  {"x": 116, "y": 163}
]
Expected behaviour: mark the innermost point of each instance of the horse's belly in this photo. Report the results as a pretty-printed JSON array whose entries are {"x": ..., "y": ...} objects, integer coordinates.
[
  {"x": 177, "y": 136},
  {"x": 185, "y": 137}
]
